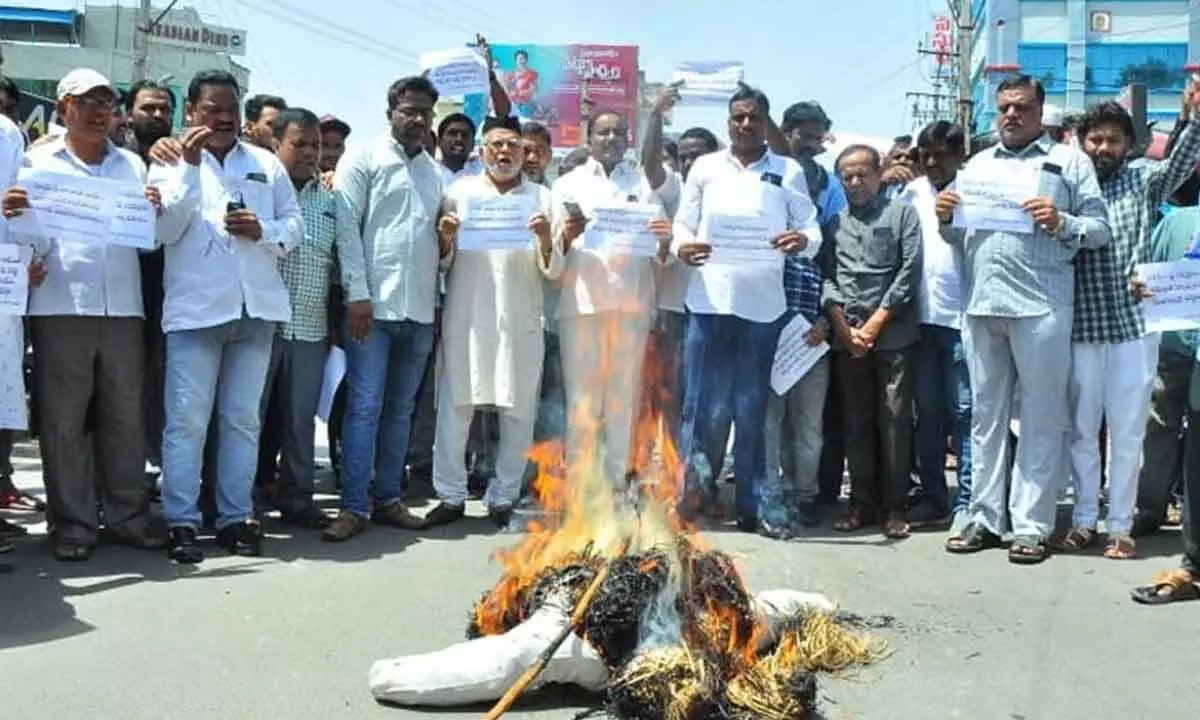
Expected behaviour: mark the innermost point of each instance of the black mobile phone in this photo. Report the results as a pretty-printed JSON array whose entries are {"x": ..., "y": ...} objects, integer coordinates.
[{"x": 235, "y": 205}]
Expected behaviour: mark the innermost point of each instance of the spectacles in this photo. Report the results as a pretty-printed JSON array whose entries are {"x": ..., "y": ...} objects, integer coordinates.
[
  {"x": 95, "y": 102},
  {"x": 498, "y": 145},
  {"x": 412, "y": 112}
]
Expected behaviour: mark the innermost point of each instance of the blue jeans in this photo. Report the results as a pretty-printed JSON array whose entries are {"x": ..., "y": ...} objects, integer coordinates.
[
  {"x": 943, "y": 400},
  {"x": 727, "y": 373},
  {"x": 226, "y": 364},
  {"x": 383, "y": 376}
]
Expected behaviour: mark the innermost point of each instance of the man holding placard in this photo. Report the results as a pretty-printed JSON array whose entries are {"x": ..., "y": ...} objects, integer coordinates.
[
  {"x": 498, "y": 225},
  {"x": 1022, "y": 211},
  {"x": 87, "y": 316},
  {"x": 872, "y": 270},
  {"x": 742, "y": 209},
  {"x": 613, "y": 219},
  {"x": 230, "y": 216},
  {"x": 1112, "y": 358}
]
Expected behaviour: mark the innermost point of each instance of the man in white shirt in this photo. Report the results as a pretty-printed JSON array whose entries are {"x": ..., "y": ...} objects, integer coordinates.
[
  {"x": 87, "y": 337},
  {"x": 607, "y": 304},
  {"x": 492, "y": 328},
  {"x": 735, "y": 306},
  {"x": 230, "y": 214},
  {"x": 943, "y": 381},
  {"x": 389, "y": 192}
]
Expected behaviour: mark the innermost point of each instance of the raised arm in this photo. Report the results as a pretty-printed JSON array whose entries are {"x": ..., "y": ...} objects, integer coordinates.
[{"x": 652, "y": 146}]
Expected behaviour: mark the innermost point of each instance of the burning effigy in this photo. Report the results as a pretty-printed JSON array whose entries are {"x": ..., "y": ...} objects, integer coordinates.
[{"x": 612, "y": 592}]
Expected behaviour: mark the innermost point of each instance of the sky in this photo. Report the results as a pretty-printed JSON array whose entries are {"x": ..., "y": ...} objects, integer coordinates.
[{"x": 856, "y": 57}]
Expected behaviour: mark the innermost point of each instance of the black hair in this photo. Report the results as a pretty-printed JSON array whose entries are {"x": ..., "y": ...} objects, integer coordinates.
[
  {"x": 943, "y": 132},
  {"x": 8, "y": 86},
  {"x": 211, "y": 77},
  {"x": 1020, "y": 82},
  {"x": 1106, "y": 113},
  {"x": 410, "y": 84},
  {"x": 702, "y": 134},
  {"x": 258, "y": 103},
  {"x": 293, "y": 116},
  {"x": 491, "y": 123},
  {"x": 602, "y": 112},
  {"x": 453, "y": 118},
  {"x": 802, "y": 113},
  {"x": 902, "y": 140},
  {"x": 876, "y": 158},
  {"x": 519, "y": 53},
  {"x": 534, "y": 129},
  {"x": 129, "y": 98},
  {"x": 758, "y": 97},
  {"x": 671, "y": 148}
]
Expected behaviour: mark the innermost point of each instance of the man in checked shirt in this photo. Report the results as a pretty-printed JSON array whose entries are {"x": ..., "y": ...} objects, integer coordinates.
[{"x": 1112, "y": 359}]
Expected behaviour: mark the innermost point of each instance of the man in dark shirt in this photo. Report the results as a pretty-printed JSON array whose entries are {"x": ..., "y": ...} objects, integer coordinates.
[{"x": 872, "y": 265}]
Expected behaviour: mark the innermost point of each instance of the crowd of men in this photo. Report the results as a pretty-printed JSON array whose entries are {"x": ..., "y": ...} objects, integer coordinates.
[{"x": 206, "y": 356}]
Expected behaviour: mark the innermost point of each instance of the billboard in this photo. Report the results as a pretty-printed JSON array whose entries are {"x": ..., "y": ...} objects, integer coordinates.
[{"x": 550, "y": 84}]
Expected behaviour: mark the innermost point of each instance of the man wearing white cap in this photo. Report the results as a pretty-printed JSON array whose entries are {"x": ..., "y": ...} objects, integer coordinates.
[
  {"x": 1052, "y": 121},
  {"x": 87, "y": 336}
]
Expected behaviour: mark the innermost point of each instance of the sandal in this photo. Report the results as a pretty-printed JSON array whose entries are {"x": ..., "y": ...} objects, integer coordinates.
[
  {"x": 1077, "y": 539},
  {"x": 854, "y": 520},
  {"x": 1174, "y": 516},
  {"x": 973, "y": 539},
  {"x": 1120, "y": 547},
  {"x": 1168, "y": 587},
  {"x": 72, "y": 552},
  {"x": 1026, "y": 551},
  {"x": 896, "y": 528}
]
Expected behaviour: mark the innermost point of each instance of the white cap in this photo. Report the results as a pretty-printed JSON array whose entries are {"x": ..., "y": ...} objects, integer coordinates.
[
  {"x": 1052, "y": 116},
  {"x": 81, "y": 80}
]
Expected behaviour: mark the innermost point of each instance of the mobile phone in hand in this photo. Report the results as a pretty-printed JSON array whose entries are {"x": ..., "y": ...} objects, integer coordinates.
[{"x": 573, "y": 209}]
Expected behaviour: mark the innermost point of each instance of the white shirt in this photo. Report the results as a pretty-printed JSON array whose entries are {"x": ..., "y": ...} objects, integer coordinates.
[
  {"x": 674, "y": 278},
  {"x": 12, "y": 149},
  {"x": 594, "y": 280},
  {"x": 387, "y": 229},
  {"x": 84, "y": 278},
  {"x": 717, "y": 184},
  {"x": 471, "y": 168},
  {"x": 212, "y": 277},
  {"x": 939, "y": 294}
]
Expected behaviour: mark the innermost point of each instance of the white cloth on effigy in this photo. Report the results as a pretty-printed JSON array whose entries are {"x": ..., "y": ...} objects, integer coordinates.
[{"x": 484, "y": 669}]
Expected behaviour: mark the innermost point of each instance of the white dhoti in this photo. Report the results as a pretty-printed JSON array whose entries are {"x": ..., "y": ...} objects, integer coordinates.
[
  {"x": 602, "y": 357},
  {"x": 1110, "y": 381}
]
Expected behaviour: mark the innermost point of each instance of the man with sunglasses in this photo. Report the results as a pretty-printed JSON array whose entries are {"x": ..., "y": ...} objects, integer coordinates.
[{"x": 86, "y": 305}]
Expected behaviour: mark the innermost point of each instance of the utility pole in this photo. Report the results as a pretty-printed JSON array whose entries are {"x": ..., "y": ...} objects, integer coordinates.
[
  {"x": 961, "y": 12},
  {"x": 141, "y": 41}
]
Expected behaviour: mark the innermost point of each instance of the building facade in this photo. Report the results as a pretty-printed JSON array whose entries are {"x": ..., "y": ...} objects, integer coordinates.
[
  {"x": 1086, "y": 51},
  {"x": 41, "y": 45}
]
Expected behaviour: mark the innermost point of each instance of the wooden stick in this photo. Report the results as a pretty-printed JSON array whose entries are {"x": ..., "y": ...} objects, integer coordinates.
[{"x": 520, "y": 686}]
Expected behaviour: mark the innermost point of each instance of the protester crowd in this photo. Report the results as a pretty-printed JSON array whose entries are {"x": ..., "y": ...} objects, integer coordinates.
[{"x": 205, "y": 357}]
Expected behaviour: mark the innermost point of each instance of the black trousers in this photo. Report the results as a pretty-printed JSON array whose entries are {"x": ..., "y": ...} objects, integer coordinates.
[{"x": 877, "y": 393}]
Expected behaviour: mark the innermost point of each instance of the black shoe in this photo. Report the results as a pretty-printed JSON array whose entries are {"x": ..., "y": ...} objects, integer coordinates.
[
  {"x": 501, "y": 515},
  {"x": 182, "y": 548},
  {"x": 747, "y": 524},
  {"x": 244, "y": 538},
  {"x": 773, "y": 532},
  {"x": 444, "y": 514},
  {"x": 310, "y": 517}
]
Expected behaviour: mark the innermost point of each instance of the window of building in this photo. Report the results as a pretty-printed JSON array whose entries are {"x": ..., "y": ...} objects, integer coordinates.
[
  {"x": 1160, "y": 66},
  {"x": 1046, "y": 62}
]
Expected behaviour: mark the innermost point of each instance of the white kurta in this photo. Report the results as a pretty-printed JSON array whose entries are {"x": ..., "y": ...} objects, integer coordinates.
[{"x": 492, "y": 342}]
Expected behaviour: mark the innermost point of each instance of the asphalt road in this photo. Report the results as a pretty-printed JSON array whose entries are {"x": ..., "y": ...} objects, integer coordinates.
[{"x": 290, "y": 636}]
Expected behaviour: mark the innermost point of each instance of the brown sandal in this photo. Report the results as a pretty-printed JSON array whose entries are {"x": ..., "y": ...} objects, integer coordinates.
[
  {"x": 855, "y": 519},
  {"x": 1077, "y": 540},
  {"x": 896, "y": 528},
  {"x": 1168, "y": 587},
  {"x": 1120, "y": 547}
]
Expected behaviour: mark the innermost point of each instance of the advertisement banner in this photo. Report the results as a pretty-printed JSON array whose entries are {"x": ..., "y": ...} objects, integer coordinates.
[{"x": 550, "y": 83}]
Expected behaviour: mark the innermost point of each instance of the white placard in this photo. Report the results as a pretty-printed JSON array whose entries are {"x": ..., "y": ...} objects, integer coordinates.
[
  {"x": 89, "y": 210},
  {"x": 1176, "y": 301},
  {"x": 624, "y": 228},
  {"x": 794, "y": 357},
  {"x": 457, "y": 71},
  {"x": 743, "y": 238},
  {"x": 14, "y": 278},
  {"x": 708, "y": 83},
  {"x": 500, "y": 222},
  {"x": 994, "y": 202},
  {"x": 335, "y": 370}
]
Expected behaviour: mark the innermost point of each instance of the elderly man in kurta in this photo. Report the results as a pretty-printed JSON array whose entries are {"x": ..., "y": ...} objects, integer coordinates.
[{"x": 492, "y": 345}]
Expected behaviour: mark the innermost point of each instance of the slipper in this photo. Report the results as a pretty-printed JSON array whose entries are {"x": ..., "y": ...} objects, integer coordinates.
[
  {"x": 72, "y": 552},
  {"x": 1026, "y": 551},
  {"x": 973, "y": 538},
  {"x": 1180, "y": 586},
  {"x": 856, "y": 519},
  {"x": 1076, "y": 540},
  {"x": 1120, "y": 547},
  {"x": 896, "y": 529}
]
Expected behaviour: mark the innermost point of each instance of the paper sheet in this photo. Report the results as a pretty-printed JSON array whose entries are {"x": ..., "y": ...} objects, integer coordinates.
[
  {"x": 794, "y": 357},
  {"x": 1176, "y": 301}
]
